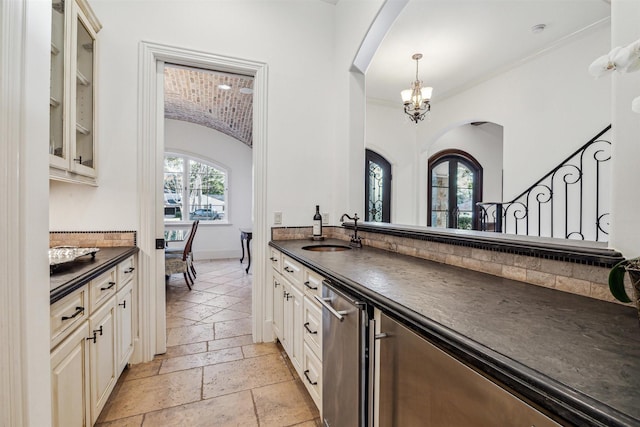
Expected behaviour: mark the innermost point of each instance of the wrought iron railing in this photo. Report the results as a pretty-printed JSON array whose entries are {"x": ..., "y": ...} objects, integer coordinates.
[{"x": 569, "y": 202}]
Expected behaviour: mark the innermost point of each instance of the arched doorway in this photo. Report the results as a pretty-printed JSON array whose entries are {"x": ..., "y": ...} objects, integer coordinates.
[{"x": 455, "y": 187}]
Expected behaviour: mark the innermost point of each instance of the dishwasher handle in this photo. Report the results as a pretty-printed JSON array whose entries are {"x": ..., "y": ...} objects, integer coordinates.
[{"x": 323, "y": 301}]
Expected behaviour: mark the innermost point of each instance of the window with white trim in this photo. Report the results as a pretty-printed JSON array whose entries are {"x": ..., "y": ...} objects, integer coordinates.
[{"x": 194, "y": 189}]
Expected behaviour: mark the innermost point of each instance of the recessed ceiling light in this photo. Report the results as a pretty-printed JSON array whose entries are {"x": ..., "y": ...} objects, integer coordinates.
[
  {"x": 246, "y": 90},
  {"x": 536, "y": 29},
  {"x": 224, "y": 87}
]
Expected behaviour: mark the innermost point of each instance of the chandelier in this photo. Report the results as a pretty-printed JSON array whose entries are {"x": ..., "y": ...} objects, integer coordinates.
[{"x": 416, "y": 100}]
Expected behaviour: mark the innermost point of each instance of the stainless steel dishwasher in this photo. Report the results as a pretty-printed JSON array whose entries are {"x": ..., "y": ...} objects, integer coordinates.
[{"x": 345, "y": 328}]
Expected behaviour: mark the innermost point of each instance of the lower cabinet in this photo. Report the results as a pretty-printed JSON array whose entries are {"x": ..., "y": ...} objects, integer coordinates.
[
  {"x": 69, "y": 384},
  {"x": 419, "y": 384},
  {"x": 91, "y": 342},
  {"x": 297, "y": 320},
  {"x": 124, "y": 320},
  {"x": 292, "y": 324},
  {"x": 102, "y": 356}
]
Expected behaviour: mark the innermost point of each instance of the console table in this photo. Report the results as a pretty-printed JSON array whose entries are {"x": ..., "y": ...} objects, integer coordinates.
[{"x": 245, "y": 236}]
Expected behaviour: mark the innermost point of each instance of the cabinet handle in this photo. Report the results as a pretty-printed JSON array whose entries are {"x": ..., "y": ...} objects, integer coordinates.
[
  {"x": 306, "y": 375},
  {"x": 111, "y": 285},
  {"x": 273, "y": 259},
  {"x": 98, "y": 330},
  {"x": 93, "y": 337},
  {"x": 124, "y": 304},
  {"x": 78, "y": 160},
  {"x": 287, "y": 295},
  {"x": 275, "y": 284},
  {"x": 306, "y": 326},
  {"x": 129, "y": 270},
  {"x": 288, "y": 270},
  {"x": 313, "y": 288},
  {"x": 79, "y": 310}
]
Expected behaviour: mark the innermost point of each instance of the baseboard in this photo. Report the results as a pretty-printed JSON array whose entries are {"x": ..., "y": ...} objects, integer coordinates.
[{"x": 204, "y": 255}]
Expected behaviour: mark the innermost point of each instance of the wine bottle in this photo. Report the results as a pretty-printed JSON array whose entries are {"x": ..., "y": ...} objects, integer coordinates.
[{"x": 317, "y": 223}]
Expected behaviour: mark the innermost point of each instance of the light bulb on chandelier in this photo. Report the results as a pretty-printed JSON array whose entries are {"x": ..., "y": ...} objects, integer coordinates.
[{"x": 417, "y": 99}]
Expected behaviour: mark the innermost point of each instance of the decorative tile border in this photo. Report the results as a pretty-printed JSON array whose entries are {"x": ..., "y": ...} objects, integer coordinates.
[
  {"x": 577, "y": 278},
  {"x": 98, "y": 239}
]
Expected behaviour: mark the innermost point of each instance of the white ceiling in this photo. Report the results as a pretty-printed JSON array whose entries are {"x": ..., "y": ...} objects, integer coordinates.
[{"x": 467, "y": 41}]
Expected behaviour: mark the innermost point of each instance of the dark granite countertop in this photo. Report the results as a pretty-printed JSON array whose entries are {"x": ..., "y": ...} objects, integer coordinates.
[
  {"x": 68, "y": 277},
  {"x": 572, "y": 355}
]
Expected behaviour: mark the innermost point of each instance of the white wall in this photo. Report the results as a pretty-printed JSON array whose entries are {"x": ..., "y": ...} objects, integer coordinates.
[
  {"x": 294, "y": 38},
  {"x": 392, "y": 135},
  {"x": 217, "y": 240},
  {"x": 547, "y": 105},
  {"x": 625, "y": 236},
  {"x": 484, "y": 143}
]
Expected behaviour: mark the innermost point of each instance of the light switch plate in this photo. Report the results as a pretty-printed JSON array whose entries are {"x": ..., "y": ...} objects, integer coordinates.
[
  {"x": 325, "y": 218},
  {"x": 277, "y": 218}
]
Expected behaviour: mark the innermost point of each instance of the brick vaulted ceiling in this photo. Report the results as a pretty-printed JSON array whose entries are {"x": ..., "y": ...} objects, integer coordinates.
[{"x": 194, "y": 95}]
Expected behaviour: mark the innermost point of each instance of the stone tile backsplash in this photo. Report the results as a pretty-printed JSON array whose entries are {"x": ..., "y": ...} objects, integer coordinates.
[
  {"x": 91, "y": 239},
  {"x": 586, "y": 280}
]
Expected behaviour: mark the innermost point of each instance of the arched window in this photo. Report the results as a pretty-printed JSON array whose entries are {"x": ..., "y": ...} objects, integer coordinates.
[
  {"x": 377, "y": 188},
  {"x": 194, "y": 189},
  {"x": 455, "y": 188}
]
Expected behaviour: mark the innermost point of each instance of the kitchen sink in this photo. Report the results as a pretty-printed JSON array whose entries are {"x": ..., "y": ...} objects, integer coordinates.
[{"x": 326, "y": 248}]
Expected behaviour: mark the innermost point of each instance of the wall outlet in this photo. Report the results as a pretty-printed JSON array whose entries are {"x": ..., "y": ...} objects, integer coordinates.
[
  {"x": 325, "y": 218},
  {"x": 277, "y": 218}
]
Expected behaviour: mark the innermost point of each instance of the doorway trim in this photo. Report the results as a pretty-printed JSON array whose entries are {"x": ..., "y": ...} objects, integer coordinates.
[{"x": 151, "y": 299}]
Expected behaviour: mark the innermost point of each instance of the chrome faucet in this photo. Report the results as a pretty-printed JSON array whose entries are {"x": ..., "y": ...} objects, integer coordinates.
[{"x": 355, "y": 240}]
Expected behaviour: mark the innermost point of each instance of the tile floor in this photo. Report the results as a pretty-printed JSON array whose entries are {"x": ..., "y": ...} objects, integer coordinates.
[{"x": 212, "y": 374}]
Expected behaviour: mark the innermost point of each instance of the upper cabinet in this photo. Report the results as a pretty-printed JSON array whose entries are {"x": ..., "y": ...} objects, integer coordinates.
[{"x": 74, "y": 43}]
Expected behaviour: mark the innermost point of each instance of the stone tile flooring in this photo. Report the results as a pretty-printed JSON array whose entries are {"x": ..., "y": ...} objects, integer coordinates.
[{"x": 212, "y": 374}]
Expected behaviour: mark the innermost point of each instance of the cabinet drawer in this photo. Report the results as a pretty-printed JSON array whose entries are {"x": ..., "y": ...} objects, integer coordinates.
[
  {"x": 312, "y": 375},
  {"x": 312, "y": 326},
  {"x": 292, "y": 270},
  {"x": 126, "y": 270},
  {"x": 101, "y": 289},
  {"x": 312, "y": 283},
  {"x": 275, "y": 258},
  {"x": 67, "y": 313}
]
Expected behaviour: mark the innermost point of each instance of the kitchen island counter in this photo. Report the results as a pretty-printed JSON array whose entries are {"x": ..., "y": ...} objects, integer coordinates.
[{"x": 576, "y": 357}]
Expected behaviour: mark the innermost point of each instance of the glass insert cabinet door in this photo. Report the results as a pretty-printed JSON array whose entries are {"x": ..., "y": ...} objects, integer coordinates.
[
  {"x": 453, "y": 192},
  {"x": 72, "y": 132}
]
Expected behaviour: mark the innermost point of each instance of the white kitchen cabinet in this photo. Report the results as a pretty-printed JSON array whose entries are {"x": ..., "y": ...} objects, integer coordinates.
[
  {"x": 124, "y": 320},
  {"x": 278, "y": 305},
  {"x": 92, "y": 339},
  {"x": 292, "y": 324},
  {"x": 72, "y": 102},
  {"x": 297, "y": 318},
  {"x": 103, "y": 365},
  {"x": 69, "y": 384}
]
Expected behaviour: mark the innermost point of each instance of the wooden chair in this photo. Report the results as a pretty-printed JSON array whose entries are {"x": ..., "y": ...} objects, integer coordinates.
[
  {"x": 175, "y": 263},
  {"x": 179, "y": 250}
]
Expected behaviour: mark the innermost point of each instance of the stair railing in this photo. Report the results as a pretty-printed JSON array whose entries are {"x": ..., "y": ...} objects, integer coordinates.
[{"x": 569, "y": 202}]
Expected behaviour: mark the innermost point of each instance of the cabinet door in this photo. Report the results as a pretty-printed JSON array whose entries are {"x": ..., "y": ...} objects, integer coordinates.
[
  {"x": 419, "y": 384},
  {"x": 278, "y": 306},
  {"x": 83, "y": 131},
  {"x": 58, "y": 152},
  {"x": 296, "y": 301},
  {"x": 124, "y": 319},
  {"x": 102, "y": 354},
  {"x": 69, "y": 380}
]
